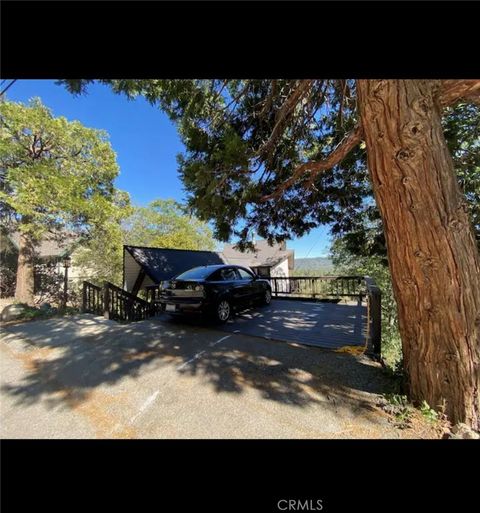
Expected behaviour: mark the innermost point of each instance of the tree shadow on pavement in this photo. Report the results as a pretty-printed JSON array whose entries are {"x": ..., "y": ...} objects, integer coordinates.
[{"x": 65, "y": 360}]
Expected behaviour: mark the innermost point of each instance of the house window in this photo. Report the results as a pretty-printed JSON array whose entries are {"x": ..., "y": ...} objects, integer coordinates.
[{"x": 264, "y": 272}]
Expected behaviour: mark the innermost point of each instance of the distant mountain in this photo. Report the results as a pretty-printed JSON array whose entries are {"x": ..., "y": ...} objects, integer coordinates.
[{"x": 321, "y": 264}]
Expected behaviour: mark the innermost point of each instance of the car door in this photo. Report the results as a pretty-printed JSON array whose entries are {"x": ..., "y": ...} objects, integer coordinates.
[
  {"x": 249, "y": 286},
  {"x": 231, "y": 284}
]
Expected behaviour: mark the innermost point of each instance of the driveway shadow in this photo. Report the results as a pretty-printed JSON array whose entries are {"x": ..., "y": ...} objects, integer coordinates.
[{"x": 65, "y": 359}]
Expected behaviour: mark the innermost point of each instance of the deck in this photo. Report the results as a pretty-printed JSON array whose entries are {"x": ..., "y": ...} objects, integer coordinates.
[
  {"x": 320, "y": 324},
  {"x": 327, "y": 312}
]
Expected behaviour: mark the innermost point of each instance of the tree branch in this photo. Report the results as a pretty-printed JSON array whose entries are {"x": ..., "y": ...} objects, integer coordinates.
[
  {"x": 269, "y": 100},
  {"x": 217, "y": 96},
  {"x": 452, "y": 91},
  {"x": 313, "y": 168},
  {"x": 343, "y": 88},
  {"x": 225, "y": 109},
  {"x": 282, "y": 115}
]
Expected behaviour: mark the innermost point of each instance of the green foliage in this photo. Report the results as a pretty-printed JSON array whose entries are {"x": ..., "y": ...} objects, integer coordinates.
[
  {"x": 315, "y": 271},
  {"x": 346, "y": 262},
  {"x": 55, "y": 174},
  {"x": 362, "y": 230},
  {"x": 31, "y": 313},
  {"x": 101, "y": 257},
  {"x": 315, "y": 266},
  {"x": 228, "y": 166},
  {"x": 462, "y": 132},
  {"x": 163, "y": 223},
  {"x": 58, "y": 176},
  {"x": 399, "y": 406},
  {"x": 428, "y": 413},
  {"x": 240, "y": 148},
  {"x": 166, "y": 224}
]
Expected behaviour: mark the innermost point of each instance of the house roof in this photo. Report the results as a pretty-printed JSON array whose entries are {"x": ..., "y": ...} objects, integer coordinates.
[
  {"x": 162, "y": 264},
  {"x": 263, "y": 256},
  {"x": 49, "y": 246}
]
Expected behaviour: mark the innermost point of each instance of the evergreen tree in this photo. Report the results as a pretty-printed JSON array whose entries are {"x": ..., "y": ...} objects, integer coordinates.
[
  {"x": 56, "y": 178},
  {"x": 278, "y": 155}
]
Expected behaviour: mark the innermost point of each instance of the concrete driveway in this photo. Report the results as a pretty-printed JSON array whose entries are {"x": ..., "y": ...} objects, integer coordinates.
[{"x": 85, "y": 377}]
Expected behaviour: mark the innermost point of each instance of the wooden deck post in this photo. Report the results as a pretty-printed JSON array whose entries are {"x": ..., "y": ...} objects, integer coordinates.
[
  {"x": 84, "y": 297},
  {"x": 374, "y": 316},
  {"x": 106, "y": 301}
]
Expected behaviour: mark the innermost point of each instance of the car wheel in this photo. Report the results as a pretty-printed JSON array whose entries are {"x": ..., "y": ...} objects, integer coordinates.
[
  {"x": 223, "y": 311},
  {"x": 267, "y": 297}
]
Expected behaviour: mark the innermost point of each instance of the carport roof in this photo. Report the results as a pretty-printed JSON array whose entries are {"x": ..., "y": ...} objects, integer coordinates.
[{"x": 162, "y": 264}]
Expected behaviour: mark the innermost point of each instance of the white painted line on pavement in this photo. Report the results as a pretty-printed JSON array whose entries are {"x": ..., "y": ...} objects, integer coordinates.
[
  {"x": 190, "y": 361},
  {"x": 149, "y": 401},
  {"x": 221, "y": 340},
  {"x": 201, "y": 352}
]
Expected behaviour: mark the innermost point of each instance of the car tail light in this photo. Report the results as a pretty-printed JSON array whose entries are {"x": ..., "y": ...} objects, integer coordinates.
[{"x": 200, "y": 289}]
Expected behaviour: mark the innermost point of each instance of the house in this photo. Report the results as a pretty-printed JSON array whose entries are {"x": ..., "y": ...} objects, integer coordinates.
[
  {"x": 266, "y": 261},
  {"x": 146, "y": 266},
  {"x": 49, "y": 254}
]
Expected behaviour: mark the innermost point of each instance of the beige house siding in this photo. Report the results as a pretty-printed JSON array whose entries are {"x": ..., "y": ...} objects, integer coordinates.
[
  {"x": 131, "y": 269},
  {"x": 281, "y": 270}
]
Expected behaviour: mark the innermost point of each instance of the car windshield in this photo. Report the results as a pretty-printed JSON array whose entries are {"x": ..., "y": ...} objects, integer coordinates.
[{"x": 197, "y": 273}]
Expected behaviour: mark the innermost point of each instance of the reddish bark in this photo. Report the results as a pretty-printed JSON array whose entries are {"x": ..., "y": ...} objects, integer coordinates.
[
  {"x": 25, "y": 279},
  {"x": 432, "y": 252}
]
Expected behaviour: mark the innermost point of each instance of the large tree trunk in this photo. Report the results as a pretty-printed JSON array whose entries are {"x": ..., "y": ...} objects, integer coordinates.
[
  {"x": 25, "y": 279},
  {"x": 432, "y": 254}
]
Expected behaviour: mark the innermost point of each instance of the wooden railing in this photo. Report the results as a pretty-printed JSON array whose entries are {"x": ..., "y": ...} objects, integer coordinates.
[
  {"x": 120, "y": 305},
  {"x": 318, "y": 287},
  {"x": 92, "y": 299},
  {"x": 330, "y": 287},
  {"x": 114, "y": 303},
  {"x": 152, "y": 292},
  {"x": 153, "y": 296}
]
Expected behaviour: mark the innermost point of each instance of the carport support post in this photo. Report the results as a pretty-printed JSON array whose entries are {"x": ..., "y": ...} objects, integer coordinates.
[{"x": 106, "y": 301}]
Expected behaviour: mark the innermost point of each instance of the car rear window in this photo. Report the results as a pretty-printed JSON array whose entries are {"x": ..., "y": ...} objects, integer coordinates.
[
  {"x": 197, "y": 273},
  {"x": 244, "y": 274},
  {"x": 226, "y": 274}
]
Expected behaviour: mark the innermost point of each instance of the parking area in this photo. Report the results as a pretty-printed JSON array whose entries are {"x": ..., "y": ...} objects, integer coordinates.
[
  {"x": 327, "y": 325},
  {"x": 86, "y": 377},
  {"x": 321, "y": 324}
]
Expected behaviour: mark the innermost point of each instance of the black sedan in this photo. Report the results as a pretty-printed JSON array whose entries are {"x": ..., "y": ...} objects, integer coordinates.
[{"x": 215, "y": 290}]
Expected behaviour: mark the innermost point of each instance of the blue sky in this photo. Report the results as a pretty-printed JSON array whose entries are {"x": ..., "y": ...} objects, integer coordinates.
[{"x": 145, "y": 141}]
